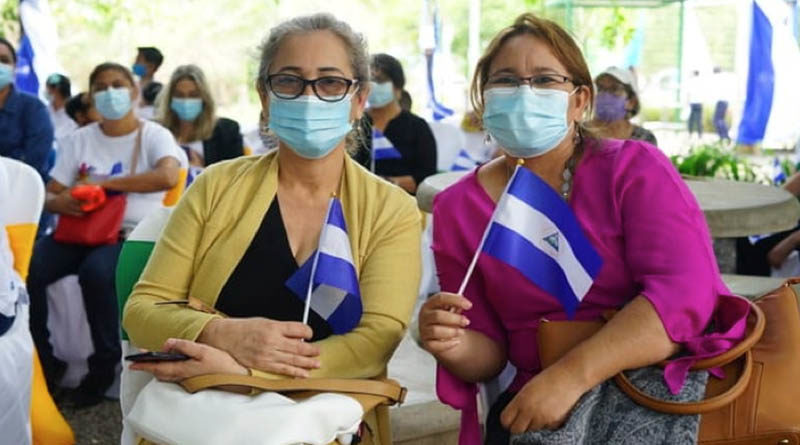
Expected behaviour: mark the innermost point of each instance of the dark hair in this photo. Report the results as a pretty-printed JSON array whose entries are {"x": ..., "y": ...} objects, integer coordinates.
[
  {"x": 391, "y": 67},
  {"x": 151, "y": 54},
  {"x": 110, "y": 66},
  {"x": 10, "y": 48},
  {"x": 61, "y": 83},
  {"x": 405, "y": 100},
  {"x": 76, "y": 104},
  {"x": 150, "y": 91}
]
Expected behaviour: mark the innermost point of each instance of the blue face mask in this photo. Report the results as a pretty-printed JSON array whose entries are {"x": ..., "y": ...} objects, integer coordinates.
[
  {"x": 6, "y": 74},
  {"x": 526, "y": 122},
  {"x": 380, "y": 94},
  {"x": 113, "y": 103},
  {"x": 311, "y": 127},
  {"x": 139, "y": 69},
  {"x": 187, "y": 109}
]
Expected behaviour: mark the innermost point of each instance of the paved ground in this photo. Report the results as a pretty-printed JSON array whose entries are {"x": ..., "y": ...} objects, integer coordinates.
[{"x": 98, "y": 425}]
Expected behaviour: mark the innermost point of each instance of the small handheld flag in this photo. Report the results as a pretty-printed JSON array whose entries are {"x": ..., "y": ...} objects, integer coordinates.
[
  {"x": 328, "y": 282},
  {"x": 534, "y": 231},
  {"x": 382, "y": 148},
  {"x": 464, "y": 161}
]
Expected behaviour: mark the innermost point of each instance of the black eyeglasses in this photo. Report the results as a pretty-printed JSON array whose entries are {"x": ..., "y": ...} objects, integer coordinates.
[
  {"x": 538, "y": 81},
  {"x": 327, "y": 88}
]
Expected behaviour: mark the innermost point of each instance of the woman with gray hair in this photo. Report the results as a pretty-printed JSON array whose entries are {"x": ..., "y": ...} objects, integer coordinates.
[
  {"x": 188, "y": 110},
  {"x": 246, "y": 229}
]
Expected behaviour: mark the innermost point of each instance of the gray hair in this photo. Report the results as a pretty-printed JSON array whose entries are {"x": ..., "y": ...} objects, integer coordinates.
[
  {"x": 355, "y": 42},
  {"x": 356, "y": 49},
  {"x": 205, "y": 122}
]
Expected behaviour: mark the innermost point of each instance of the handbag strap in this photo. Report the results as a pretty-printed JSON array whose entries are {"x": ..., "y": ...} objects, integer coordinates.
[
  {"x": 386, "y": 388},
  {"x": 747, "y": 343},
  {"x": 137, "y": 148},
  {"x": 699, "y": 407}
]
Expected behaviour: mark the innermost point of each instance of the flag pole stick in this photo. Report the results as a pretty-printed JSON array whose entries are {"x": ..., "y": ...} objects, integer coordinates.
[
  {"x": 307, "y": 307},
  {"x": 474, "y": 261}
]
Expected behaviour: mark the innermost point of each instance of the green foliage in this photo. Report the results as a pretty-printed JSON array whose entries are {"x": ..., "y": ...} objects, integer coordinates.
[
  {"x": 9, "y": 20},
  {"x": 715, "y": 162}
]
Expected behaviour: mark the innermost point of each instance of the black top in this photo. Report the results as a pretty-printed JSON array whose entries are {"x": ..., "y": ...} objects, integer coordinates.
[
  {"x": 257, "y": 286},
  {"x": 225, "y": 142},
  {"x": 412, "y": 137}
]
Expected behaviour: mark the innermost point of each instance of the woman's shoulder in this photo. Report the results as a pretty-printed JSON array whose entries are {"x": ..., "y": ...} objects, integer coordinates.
[
  {"x": 621, "y": 155},
  {"x": 456, "y": 197}
]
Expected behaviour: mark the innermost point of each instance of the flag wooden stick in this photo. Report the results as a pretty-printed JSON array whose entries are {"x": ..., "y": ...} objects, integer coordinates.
[
  {"x": 474, "y": 261},
  {"x": 307, "y": 307}
]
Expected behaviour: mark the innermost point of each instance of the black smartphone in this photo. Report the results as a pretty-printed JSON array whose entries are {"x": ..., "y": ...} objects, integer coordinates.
[{"x": 157, "y": 357}]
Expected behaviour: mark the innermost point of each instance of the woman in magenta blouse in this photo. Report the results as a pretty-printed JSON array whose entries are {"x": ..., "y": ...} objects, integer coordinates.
[{"x": 533, "y": 88}]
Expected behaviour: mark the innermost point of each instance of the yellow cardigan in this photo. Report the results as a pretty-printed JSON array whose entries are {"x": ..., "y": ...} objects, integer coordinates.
[{"x": 214, "y": 223}]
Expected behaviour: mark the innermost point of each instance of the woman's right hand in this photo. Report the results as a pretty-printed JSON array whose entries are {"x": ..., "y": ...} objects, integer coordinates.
[
  {"x": 273, "y": 346},
  {"x": 64, "y": 203},
  {"x": 441, "y": 325}
]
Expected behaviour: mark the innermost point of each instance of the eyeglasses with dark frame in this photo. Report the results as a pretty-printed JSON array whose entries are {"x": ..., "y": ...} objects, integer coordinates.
[
  {"x": 326, "y": 88},
  {"x": 537, "y": 81}
]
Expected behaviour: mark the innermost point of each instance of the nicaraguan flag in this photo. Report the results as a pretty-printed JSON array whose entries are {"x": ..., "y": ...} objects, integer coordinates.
[
  {"x": 778, "y": 176},
  {"x": 770, "y": 109},
  {"x": 464, "y": 161},
  {"x": 534, "y": 231},
  {"x": 38, "y": 52},
  {"x": 382, "y": 148},
  {"x": 336, "y": 296}
]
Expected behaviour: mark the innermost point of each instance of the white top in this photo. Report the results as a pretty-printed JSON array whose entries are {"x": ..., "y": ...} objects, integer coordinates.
[
  {"x": 99, "y": 153},
  {"x": 62, "y": 123},
  {"x": 146, "y": 112}
]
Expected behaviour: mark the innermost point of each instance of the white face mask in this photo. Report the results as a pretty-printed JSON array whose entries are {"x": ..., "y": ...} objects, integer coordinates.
[{"x": 527, "y": 122}]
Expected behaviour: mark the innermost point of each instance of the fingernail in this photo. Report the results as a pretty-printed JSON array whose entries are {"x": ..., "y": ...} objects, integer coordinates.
[{"x": 465, "y": 321}]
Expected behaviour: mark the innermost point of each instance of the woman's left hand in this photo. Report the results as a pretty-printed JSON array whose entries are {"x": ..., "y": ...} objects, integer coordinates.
[
  {"x": 543, "y": 403},
  {"x": 204, "y": 359}
]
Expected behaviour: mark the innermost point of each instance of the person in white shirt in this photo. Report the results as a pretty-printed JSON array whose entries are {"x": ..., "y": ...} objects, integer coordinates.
[
  {"x": 100, "y": 153},
  {"x": 16, "y": 346},
  {"x": 58, "y": 93},
  {"x": 694, "y": 93}
]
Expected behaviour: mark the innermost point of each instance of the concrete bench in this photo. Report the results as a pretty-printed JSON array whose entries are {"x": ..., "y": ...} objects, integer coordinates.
[{"x": 751, "y": 286}]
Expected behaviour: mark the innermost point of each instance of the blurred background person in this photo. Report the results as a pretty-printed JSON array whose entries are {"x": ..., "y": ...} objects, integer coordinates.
[
  {"x": 721, "y": 107},
  {"x": 149, "y": 95},
  {"x": 187, "y": 109},
  {"x": 694, "y": 93},
  {"x": 58, "y": 92},
  {"x": 148, "y": 60},
  {"x": 405, "y": 101},
  {"x": 403, "y": 147},
  {"x": 26, "y": 133},
  {"x": 616, "y": 104},
  {"x": 79, "y": 108}
]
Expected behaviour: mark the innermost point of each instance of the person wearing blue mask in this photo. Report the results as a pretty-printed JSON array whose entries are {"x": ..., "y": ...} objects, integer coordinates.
[
  {"x": 122, "y": 154},
  {"x": 533, "y": 91},
  {"x": 247, "y": 225},
  {"x": 148, "y": 61},
  {"x": 401, "y": 148},
  {"x": 26, "y": 133},
  {"x": 189, "y": 111}
]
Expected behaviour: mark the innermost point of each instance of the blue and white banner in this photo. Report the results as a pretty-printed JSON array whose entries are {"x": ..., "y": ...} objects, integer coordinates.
[
  {"x": 770, "y": 110},
  {"x": 534, "y": 231},
  {"x": 430, "y": 37},
  {"x": 336, "y": 296},
  {"x": 464, "y": 161}
]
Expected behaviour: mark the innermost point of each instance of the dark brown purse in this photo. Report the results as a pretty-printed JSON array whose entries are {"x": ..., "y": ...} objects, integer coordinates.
[{"x": 758, "y": 401}]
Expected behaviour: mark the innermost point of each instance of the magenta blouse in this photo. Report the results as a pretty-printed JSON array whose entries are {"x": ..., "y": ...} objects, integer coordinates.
[{"x": 646, "y": 225}]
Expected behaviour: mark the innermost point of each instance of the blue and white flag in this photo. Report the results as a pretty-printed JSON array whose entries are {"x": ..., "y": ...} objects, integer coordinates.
[
  {"x": 770, "y": 109},
  {"x": 534, "y": 231},
  {"x": 778, "y": 175},
  {"x": 382, "y": 149},
  {"x": 336, "y": 296},
  {"x": 38, "y": 51},
  {"x": 464, "y": 161}
]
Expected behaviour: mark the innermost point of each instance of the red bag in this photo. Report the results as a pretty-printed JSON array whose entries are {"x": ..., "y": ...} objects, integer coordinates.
[
  {"x": 96, "y": 228},
  {"x": 102, "y": 225}
]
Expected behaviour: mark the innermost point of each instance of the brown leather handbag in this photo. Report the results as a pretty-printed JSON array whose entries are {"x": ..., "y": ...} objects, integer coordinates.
[{"x": 757, "y": 403}]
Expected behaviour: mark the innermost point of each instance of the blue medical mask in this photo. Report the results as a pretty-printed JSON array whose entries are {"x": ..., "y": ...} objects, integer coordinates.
[
  {"x": 380, "y": 94},
  {"x": 311, "y": 127},
  {"x": 6, "y": 74},
  {"x": 526, "y": 122},
  {"x": 139, "y": 69},
  {"x": 187, "y": 109},
  {"x": 113, "y": 103}
]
